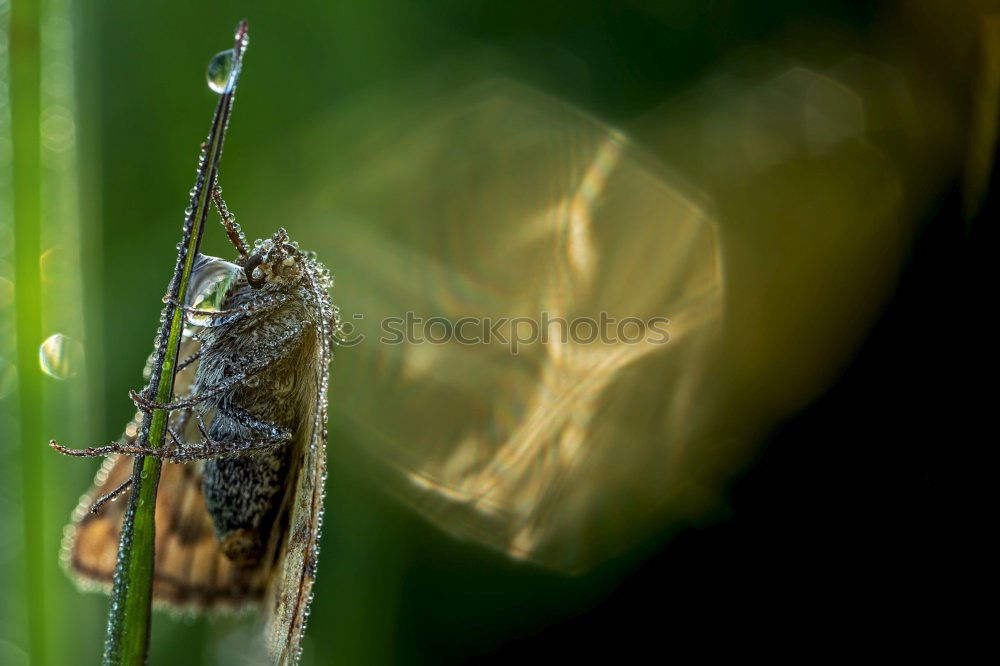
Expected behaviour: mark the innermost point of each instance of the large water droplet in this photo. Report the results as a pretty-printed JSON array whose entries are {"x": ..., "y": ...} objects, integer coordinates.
[
  {"x": 220, "y": 72},
  {"x": 60, "y": 356},
  {"x": 210, "y": 283}
]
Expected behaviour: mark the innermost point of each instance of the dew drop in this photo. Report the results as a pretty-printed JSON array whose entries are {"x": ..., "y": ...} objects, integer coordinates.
[
  {"x": 220, "y": 72},
  {"x": 60, "y": 356}
]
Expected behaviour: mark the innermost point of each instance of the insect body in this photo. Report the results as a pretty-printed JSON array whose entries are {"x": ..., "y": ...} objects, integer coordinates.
[
  {"x": 538, "y": 454},
  {"x": 238, "y": 525},
  {"x": 271, "y": 337}
]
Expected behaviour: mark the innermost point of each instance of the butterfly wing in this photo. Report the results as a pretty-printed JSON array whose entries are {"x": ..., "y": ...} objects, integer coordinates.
[
  {"x": 190, "y": 571},
  {"x": 289, "y": 592},
  {"x": 509, "y": 204}
]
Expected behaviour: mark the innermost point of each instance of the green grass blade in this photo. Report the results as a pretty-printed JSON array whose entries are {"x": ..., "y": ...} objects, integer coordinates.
[
  {"x": 25, "y": 85},
  {"x": 127, "y": 638}
]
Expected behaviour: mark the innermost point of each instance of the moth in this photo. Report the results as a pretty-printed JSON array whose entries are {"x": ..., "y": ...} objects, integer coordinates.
[
  {"x": 238, "y": 518},
  {"x": 532, "y": 454}
]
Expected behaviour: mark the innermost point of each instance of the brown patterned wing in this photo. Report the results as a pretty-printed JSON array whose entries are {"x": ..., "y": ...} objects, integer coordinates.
[{"x": 190, "y": 572}]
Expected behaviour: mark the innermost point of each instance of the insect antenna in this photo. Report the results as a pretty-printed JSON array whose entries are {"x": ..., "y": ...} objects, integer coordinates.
[{"x": 233, "y": 230}]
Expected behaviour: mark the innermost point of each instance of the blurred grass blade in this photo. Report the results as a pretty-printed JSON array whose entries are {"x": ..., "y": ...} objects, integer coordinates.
[
  {"x": 129, "y": 616},
  {"x": 25, "y": 86},
  {"x": 66, "y": 401}
]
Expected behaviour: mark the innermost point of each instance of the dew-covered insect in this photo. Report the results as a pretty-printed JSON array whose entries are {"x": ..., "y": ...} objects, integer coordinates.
[{"x": 237, "y": 526}]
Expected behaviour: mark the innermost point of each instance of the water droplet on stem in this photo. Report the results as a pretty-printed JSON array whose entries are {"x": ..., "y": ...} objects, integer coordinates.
[{"x": 220, "y": 72}]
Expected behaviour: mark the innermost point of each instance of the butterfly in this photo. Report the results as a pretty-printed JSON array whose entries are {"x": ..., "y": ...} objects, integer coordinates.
[
  {"x": 508, "y": 203},
  {"x": 522, "y": 452},
  {"x": 238, "y": 519}
]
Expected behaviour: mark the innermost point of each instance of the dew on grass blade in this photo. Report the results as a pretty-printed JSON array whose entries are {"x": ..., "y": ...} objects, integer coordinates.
[
  {"x": 220, "y": 72},
  {"x": 60, "y": 356}
]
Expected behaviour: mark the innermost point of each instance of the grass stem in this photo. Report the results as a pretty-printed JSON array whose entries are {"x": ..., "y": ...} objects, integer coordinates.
[{"x": 127, "y": 640}]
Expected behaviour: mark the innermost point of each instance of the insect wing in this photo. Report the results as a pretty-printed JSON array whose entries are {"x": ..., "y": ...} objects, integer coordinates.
[
  {"x": 191, "y": 574},
  {"x": 510, "y": 207},
  {"x": 289, "y": 593}
]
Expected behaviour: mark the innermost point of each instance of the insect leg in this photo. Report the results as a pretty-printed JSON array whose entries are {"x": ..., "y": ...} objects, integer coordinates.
[
  {"x": 104, "y": 499},
  {"x": 111, "y": 449},
  {"x": 90, "y": 451},
  {"x": 251, "y": 422},
  {"x": 218, "y": 317},
  {"x": 189, "y": 360},
  {"x": 121, "y": 446},
  {"x": 223, "y": 317},
  {"x": 146, "y": 405},
  {"x": 181, "y": 452},
  {"x": 210, "y": 448},
  {"x": 283, "y": 346}
]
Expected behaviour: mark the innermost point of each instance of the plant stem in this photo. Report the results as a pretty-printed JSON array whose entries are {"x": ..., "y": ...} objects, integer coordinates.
[
  {"x": 127, "y": 639},
  {"x": 25, "y": 107}
]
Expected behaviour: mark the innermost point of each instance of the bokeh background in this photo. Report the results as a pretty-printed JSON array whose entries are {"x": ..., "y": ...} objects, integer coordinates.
[{"x": 842, "y": 152}]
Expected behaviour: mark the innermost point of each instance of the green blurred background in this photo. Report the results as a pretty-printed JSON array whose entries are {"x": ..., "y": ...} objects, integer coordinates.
[{"x": 123, "y": 107}]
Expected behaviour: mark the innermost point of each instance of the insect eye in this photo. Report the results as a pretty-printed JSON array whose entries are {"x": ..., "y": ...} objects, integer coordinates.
[{"x": 255, "y": 275}]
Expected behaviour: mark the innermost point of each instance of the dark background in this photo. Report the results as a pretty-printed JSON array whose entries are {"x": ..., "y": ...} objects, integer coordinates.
[
  {"x": 823, "y": 554},
  {"x": 829, "y": 539}
]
